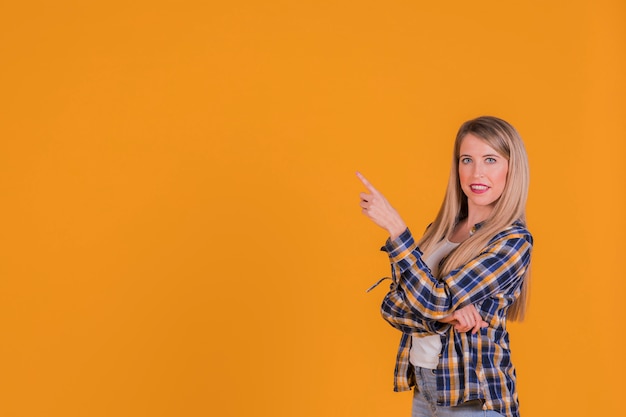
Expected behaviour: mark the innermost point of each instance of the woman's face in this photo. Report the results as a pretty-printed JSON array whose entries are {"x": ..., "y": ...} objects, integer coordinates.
[{"x": 482, "y": 173}]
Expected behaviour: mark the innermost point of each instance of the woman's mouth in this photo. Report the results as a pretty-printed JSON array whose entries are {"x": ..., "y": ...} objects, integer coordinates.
[{"x": 478, "y": 188}]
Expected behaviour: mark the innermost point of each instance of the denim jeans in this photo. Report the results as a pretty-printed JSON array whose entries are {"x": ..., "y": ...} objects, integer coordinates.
[{"x": 425, "y": 400}]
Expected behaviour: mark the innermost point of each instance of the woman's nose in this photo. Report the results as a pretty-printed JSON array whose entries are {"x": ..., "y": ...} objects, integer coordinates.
[{"x": 478, "y": 171}]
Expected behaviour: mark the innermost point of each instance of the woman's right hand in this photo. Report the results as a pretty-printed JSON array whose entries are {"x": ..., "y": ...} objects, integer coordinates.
[{"x": 375, "y": 206}]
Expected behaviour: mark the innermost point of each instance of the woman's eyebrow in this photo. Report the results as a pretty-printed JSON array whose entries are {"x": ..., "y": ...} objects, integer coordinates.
[{"x": 484, "y": 156}]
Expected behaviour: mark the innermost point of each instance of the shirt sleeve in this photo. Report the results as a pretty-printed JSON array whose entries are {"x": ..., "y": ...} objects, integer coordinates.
[
  {"x": 400, "y": 316},
  {"x": 416, "y": 292}
]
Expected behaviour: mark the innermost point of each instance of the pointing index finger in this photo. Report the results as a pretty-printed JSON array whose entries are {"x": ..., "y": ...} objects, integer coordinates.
[{"x": 365, "y": 182}]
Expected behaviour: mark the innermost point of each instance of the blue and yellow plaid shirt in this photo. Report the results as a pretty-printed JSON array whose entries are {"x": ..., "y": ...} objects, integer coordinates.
[{"x": 470, "y": 366}]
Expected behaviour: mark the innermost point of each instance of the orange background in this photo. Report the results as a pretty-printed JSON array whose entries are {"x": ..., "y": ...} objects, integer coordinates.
[{"x": 180, "y": 225}]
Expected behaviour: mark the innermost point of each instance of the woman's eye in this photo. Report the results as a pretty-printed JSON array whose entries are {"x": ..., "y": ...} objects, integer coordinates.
[
  {"x": 490, "y": 160},
  {"x": 465, "y": 160}
]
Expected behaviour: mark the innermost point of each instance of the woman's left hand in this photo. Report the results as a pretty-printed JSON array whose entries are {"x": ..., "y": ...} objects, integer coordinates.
[
  {"x": 466, "y": 319},
  {"x": 375, "y": 206}
]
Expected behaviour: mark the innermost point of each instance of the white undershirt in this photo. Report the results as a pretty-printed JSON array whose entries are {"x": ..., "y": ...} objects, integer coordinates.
[{"x": 425, "y": 349}]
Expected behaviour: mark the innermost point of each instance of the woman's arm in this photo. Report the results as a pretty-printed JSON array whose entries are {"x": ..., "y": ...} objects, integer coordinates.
[
  {"x": 376, "y": 207},
  {"x": 403, "y": 318},
  {"x": 408, "y": 321},
  {"x": 500, "y": 266},
  {"x": 463, "y": 320}
]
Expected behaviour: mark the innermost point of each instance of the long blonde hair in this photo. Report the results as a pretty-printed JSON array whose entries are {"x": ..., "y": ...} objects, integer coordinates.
[{"x": 509, "y": 208}]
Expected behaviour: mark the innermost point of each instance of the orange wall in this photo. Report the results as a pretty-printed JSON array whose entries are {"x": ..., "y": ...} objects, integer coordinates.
[{"x": 180, "y": 225}]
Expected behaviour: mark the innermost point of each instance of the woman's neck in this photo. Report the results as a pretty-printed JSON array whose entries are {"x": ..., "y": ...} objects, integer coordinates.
[
  {"x": 465, "y": 228},
  {"x": 478, "y": 214}
]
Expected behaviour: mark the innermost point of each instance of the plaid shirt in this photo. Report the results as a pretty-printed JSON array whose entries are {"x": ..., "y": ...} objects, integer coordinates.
[{"x": 470, "y": 366}]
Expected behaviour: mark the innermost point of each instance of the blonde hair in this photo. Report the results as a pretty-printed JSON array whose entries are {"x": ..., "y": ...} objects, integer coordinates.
[{"x": 509, "y": 208}]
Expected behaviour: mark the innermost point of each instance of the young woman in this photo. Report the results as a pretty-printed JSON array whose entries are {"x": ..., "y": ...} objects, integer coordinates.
[{"x": 454, "y": 289}]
